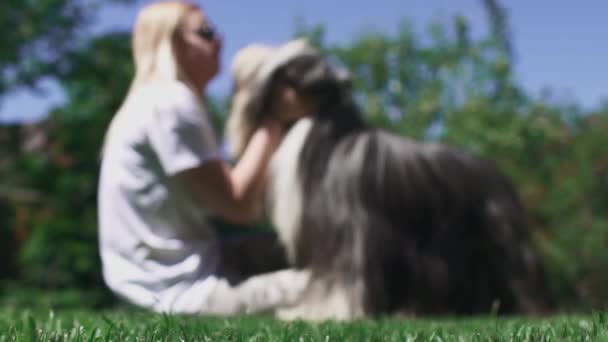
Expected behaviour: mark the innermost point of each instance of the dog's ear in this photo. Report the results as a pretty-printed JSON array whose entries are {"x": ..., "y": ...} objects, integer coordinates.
[
  {"x": 251, "y": 104},
  {"x": 241, "y": 123},
  {"x": 242, "y": 120}
]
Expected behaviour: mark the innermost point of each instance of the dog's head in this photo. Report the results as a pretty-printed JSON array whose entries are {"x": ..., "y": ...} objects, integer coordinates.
[
  {"x": 253, "y": 71},
  {"x": 265, "y": 77}
]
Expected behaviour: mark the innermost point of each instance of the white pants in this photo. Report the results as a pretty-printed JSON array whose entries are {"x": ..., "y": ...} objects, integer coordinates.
[{"x": 259, "y": 294}]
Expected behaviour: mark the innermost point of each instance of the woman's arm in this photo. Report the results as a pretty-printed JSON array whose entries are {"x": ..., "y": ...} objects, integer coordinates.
[{"x": 235, "y": 194}]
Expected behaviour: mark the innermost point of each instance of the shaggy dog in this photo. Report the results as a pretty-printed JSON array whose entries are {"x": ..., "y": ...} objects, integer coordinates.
[{"x": 387, "y": 225}]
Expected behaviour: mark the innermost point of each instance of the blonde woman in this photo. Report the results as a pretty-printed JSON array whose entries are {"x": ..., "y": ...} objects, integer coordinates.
[{"x": 162, "y": 176}]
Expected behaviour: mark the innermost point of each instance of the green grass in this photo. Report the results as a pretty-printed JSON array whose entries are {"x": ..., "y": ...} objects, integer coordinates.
[
  {"x": 35, "y": 315},
  {"x": 135, "y": 325}
]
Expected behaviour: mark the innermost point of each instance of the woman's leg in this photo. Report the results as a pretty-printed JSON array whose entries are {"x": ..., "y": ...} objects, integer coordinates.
[
  {"x": 252, "y": 278},
  {"x": 263, "y": 293}
]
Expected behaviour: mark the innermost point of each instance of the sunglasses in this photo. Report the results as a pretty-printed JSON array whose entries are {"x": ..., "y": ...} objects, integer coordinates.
[{"x": 208, "y": 33}]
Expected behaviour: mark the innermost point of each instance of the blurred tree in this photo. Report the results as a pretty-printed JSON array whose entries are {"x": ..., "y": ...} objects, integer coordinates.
[
  {"x": 62, "y": 247},
  {"x": 37, "y": 35}
]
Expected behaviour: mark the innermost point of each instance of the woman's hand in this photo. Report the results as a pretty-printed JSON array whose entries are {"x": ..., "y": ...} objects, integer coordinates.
[{"x": 275, "y": 131}]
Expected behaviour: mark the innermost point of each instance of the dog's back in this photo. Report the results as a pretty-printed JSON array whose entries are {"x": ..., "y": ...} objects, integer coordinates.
[{"x": 453, "y": 237}]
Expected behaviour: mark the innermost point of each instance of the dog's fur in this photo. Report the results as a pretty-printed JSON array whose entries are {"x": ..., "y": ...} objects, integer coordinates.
[{"x": 388, "y": 225}]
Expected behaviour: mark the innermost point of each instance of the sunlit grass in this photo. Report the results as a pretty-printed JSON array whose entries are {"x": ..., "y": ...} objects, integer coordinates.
[{"x": 18, "y": 324}]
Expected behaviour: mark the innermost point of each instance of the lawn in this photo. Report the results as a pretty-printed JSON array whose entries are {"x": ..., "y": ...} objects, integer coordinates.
[
  {"x": 127, "y": 324},
  {"x": 27, "y": 315}
]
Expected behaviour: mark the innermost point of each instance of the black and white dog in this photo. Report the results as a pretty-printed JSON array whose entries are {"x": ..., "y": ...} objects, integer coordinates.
[{"x": 385, "y": 224}]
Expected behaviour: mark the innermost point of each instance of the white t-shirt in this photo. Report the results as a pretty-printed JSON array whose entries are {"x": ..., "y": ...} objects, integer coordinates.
[{"x": 155, "y": 241}]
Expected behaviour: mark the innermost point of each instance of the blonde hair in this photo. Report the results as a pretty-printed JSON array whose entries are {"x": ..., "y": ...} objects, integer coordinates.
[
  {"x": 153, "y": 41},
  {"x": 153, "y": 47}
]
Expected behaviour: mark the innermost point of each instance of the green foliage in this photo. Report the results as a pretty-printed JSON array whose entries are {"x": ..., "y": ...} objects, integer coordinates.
[
  {"x": 62, "y": 247},
  {"x": 38, "y": 34}
]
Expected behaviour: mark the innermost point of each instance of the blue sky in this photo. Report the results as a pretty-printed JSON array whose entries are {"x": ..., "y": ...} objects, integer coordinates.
[{"x": 559, "y": 43}]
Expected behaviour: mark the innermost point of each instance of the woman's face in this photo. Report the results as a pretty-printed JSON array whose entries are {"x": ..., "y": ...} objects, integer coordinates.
[{"x": 198, "y": 48}]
